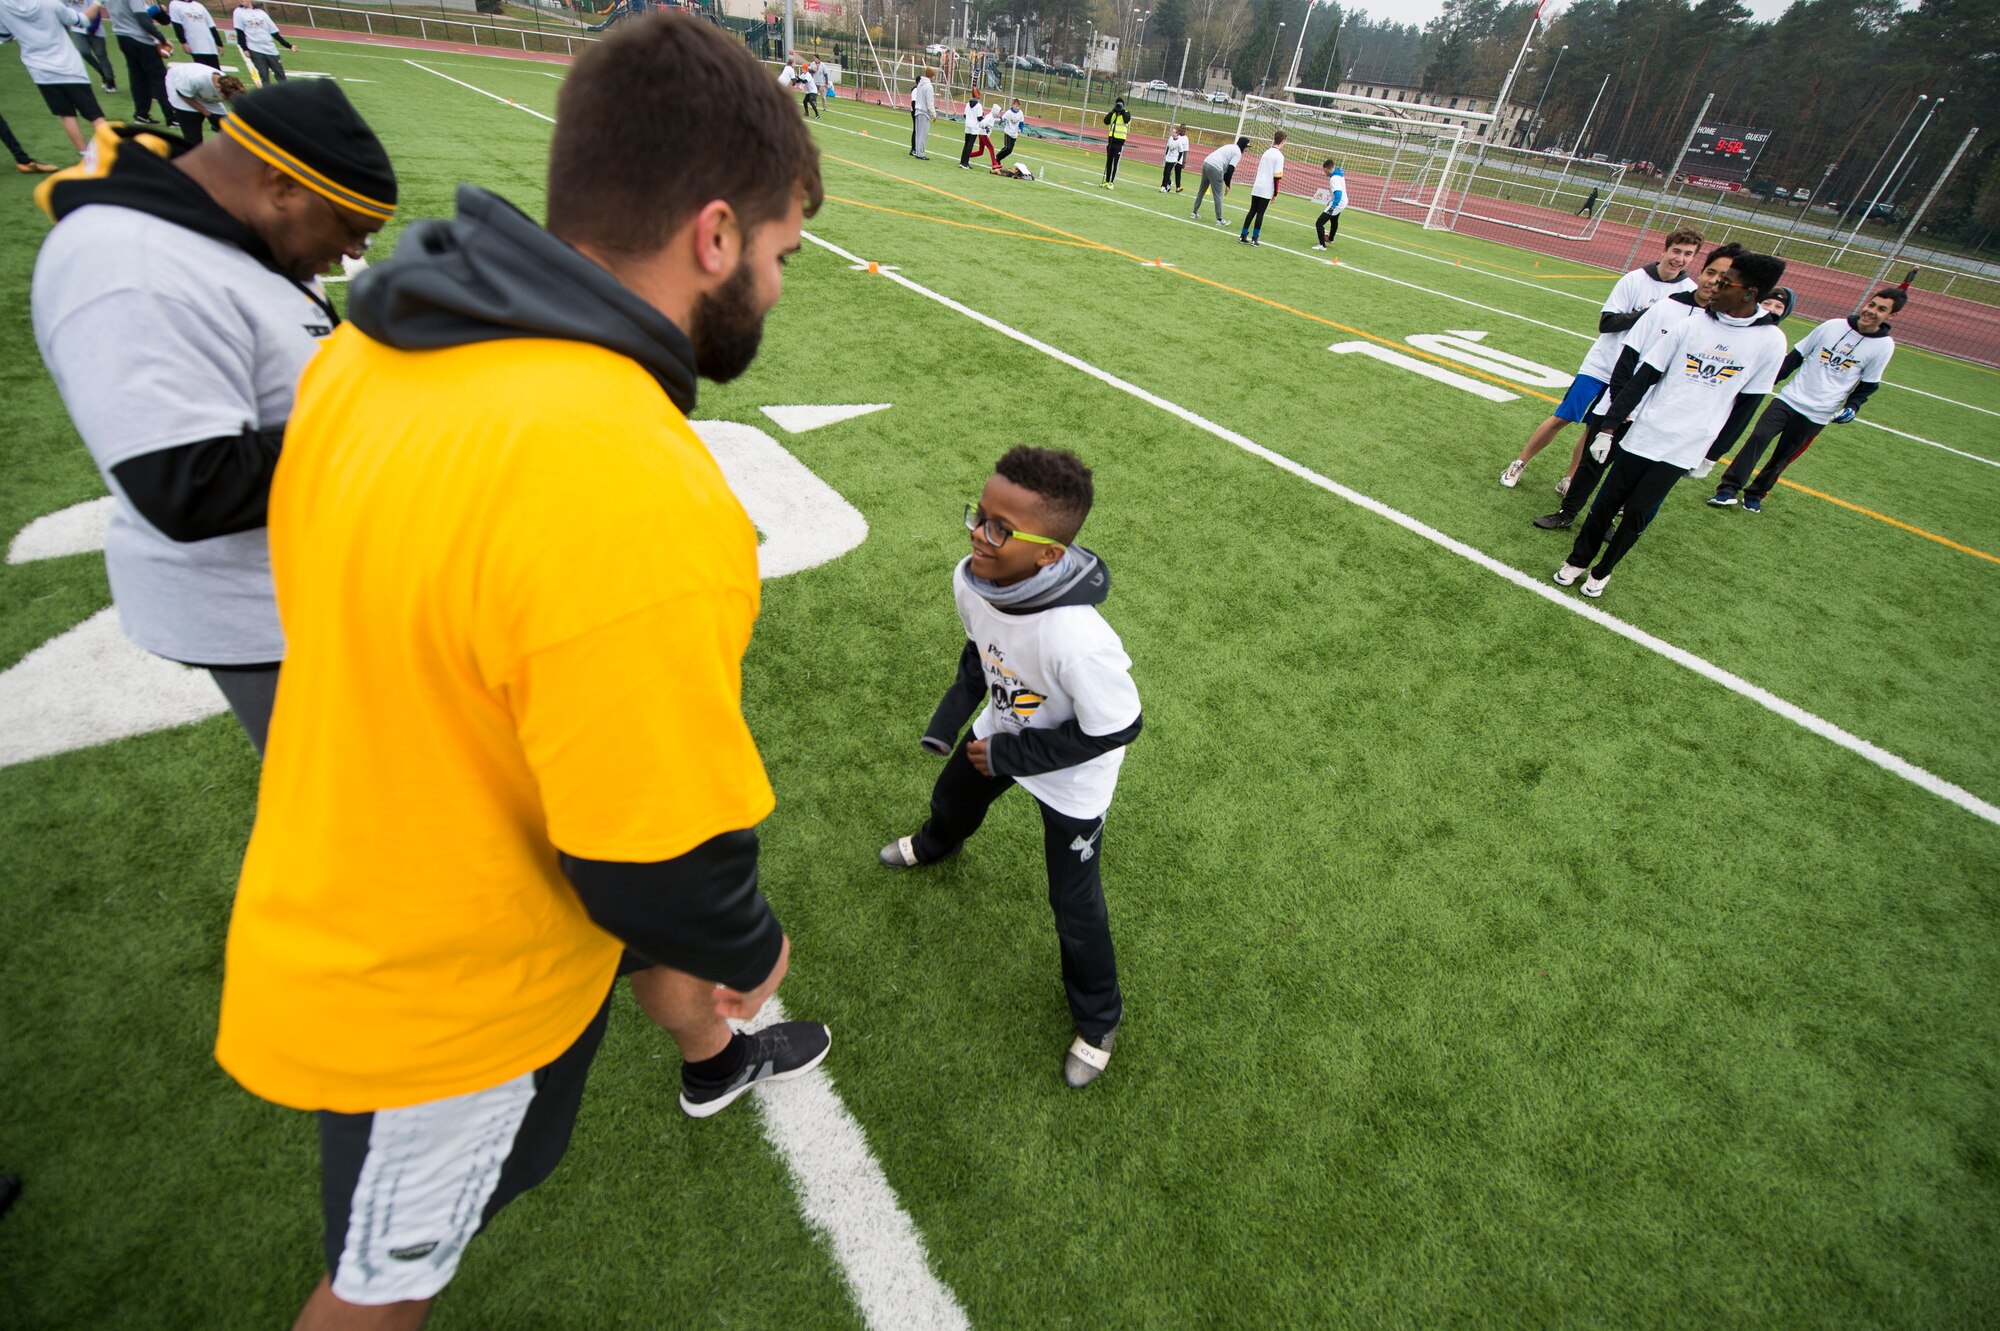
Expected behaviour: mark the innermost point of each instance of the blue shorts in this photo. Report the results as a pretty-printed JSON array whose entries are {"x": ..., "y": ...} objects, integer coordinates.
[{"x": 1582, "y": 393}]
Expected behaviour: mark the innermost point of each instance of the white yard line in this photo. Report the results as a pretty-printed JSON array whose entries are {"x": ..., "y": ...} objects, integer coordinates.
[
  {"x": 509, "y": 101},
  {"x": 844, "y": 1195},
  {"x": 1818, "y": 725}
]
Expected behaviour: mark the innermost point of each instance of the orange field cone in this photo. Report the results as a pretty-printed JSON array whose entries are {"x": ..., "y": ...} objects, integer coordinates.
[{"x": 873, "y": 267}]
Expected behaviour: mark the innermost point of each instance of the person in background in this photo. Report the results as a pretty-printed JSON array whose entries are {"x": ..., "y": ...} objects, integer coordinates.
[
  {"x": 973, "y": 111},
  {"x": 1012, "y": 121},
  {"x": 1174, "y": 158},
  {"x": 41, "y": 29},
  {"x": 923, "y": 109},
  {"x": 1327, "y": 225},
  {"x": 146, "y": 50},
  {"x": 1218, "y": 170},
  {"x": 197, "y": 29},
  {"x": 1119, "y": 122},
  {"x": 23, "y": 163},
  {"x": 1270, "y": 179},
  {"x": 196, "y": 93},
  {"x": 1589, "y": 208},
  {"x": 90, "y": 42},
  {"x": 258, "y": 36}
]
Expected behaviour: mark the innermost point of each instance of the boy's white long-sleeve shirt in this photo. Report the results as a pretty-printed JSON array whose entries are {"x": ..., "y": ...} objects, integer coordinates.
[{"x": 1046, "y": 667}]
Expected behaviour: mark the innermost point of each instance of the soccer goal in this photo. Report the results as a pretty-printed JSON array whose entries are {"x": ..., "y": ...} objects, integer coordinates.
[
  {"x": 1544, "y": 192},
  {"x": 1396, "y": 164}
]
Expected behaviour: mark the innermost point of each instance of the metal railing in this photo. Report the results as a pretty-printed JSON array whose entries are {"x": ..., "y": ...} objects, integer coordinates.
[{"x": 431, "y": 24}]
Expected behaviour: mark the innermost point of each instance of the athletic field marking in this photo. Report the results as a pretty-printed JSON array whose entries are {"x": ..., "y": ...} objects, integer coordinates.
[
  {"x": 845, "y": 1196},
  {"x": 1818, "y": 725},
  {"x": 800, "y": 419},
  {"x": 1859, "y": 420},
  {"x": 505, "y": 101},
  {"x": 1435, "y": 258}
]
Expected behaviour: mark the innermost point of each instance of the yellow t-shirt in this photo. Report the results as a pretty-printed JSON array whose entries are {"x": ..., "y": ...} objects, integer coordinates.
[{"x": 516, "y": 592}]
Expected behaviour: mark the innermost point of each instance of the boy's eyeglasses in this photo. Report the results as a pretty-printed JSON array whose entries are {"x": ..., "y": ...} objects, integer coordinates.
[{"x": 995, "y": 534}]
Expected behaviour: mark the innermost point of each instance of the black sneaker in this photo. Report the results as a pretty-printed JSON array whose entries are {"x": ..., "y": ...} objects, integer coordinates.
[
  {"x": 788, "y": 1049},
  {"x": 144, "y": 120},
  {"x": 1722, "y": 499},
  {"x": 1555, "y": 521},
  {"x": 1753, "y": 506},
  {"x": 1086, "y": 1058}
]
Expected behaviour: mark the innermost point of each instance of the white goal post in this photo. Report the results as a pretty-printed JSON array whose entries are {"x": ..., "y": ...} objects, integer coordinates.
[{"x": 1434, "y": 165}]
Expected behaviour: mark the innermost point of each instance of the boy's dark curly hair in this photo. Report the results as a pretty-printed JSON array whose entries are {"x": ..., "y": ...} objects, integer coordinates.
[{"x": 1059, "y": 478}]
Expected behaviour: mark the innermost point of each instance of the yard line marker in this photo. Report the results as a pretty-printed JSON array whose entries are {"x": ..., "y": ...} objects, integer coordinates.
[
  {"x": 1810, "y": 721},
  {"x": 845, "y": 1196},
  {"x": 508, "y": 101}
]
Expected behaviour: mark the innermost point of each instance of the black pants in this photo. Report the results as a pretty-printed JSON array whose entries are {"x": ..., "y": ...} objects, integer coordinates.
[
  {"x": 12, "y": 144},
  {"x": 812, "y": 106},
  {"x": 1170, "y": 175},
  {"x": 1006, "y": 148},
  {"x": 1589, "y": 209},
  {"x": 212, "y": 59},
  {"x": 1793, "y": 433},
  {"x": 1254, "y": 219},
  {"x": 1589, "y": 471},
  {"x": 1073, "y": 849},
  {"x": 1634, "y": 484},
  {"x": 1327, "y": 226},
  {"x": 269, "y": 67},
  {"x": 146, "y": 76},
  {"x": 189, "y": 123},
  {"x": 1112, "y": 151},
  {"x": 965, "y": 153}
]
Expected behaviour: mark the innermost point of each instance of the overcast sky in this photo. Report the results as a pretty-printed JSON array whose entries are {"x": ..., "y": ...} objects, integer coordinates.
[{"x": 1421, "y": 12}]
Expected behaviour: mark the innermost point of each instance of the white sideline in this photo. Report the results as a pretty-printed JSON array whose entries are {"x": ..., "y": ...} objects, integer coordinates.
[
  {"x": 1818, "y": 725},
  {"x": 844, "y": 1195}
]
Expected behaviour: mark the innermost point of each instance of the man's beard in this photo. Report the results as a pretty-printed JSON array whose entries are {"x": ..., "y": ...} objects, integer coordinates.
[{"x": 727, "y": 326}]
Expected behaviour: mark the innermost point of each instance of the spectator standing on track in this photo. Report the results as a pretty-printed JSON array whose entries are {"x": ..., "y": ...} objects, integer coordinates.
[
  {"x": 258, "y": 36},
  {"x": 202, "y": 269},
  {"x": 510, "y": 759},
  {"x": 1060, "y": 709},
  {"x": 1270, "y": 178},
  {"x": 1218, "y": 170},
  {"x": 1694, "y": 391},
  {"x": 1327, "y": 225},
  {"x": 146, "y": 50},
  {"x": 1839, "y": 366},
  {"x": 196, "y": 93},
  {"x": 923, "y": 108},
  {"x": 1662, "y": 319},
  {"x": 1174, "y": 159},
  {"x": 1012, "y": 121},
  {"x": 23, "y": 163},
  {"x": 197, "y": 30},
  {"x": 1589, "y": 208},
  {"x": 41, "y": 29},
  {"x": 1634, "y": 294},
  {"x": 90, "y": 41},
  {"x": 1119, "y": 121}
]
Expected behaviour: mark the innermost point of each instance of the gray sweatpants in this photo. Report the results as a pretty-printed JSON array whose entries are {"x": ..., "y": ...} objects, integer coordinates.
[
  {"x": 923, "y": 133},
  {"x": 1211, "y": 180},
  {"x": 269, "y": 67}
]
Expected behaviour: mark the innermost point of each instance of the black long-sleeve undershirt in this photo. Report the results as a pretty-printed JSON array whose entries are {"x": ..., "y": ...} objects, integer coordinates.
[
  {"x": 1732, "y": 429},
  {"x": 1608, "y": 322},
  {"x": 213, "y": 487},
  {"x": 700, "y": 912}
]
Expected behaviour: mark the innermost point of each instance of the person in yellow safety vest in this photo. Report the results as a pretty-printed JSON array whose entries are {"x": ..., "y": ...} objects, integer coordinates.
[{"x": 1118, "y": 118}]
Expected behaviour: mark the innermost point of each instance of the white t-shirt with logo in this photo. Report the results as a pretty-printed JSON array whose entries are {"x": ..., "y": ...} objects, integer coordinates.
[
  {"x": 1042, "y": 669},
  {"x": 1011, "y": 121},
  {"x": 191, "y": 87},
  {"x": 1269, "y": 167},
  {"x": 1635, "y": 293},
  {"x": 1177, "y": 148},
  {"x": 197, "y": 28},
  {"x": 255, "y": 30},
  {"x": 158, "y": 337},
  {"x": 1835, "y": 358},
  {"x": 1705, "y": 363}
]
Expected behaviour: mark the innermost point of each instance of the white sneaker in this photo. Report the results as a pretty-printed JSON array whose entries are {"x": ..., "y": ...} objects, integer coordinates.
[
  {"x": 1562, "y": 488},
  {"x": 1594, "y": 587},
  {"x": 1512, "y": 476},
  {"x": 1319, "y": 247},
  {"x": 1566, "y": 576}
]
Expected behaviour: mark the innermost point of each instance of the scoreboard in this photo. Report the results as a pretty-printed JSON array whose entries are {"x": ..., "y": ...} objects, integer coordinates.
[{"x": 1725, "y": 152}]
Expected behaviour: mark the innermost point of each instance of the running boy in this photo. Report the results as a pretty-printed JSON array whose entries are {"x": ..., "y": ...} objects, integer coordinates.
[
  {"x": 1327, "y": 225},
  {"x": 973, "y": 130},
  {"x": 1012, "y": 120},
  {"x": 1061, "y": 707}
]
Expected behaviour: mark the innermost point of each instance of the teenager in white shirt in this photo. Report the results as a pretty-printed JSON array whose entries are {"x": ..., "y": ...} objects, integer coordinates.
[
  {"x": 973, "y": 112},
  {"x": 196, "y": 93},
  {"x": 1839, "y": 366},
  {"x": 257, "y": 34},
  {"x": 1694, "y": 391},
  {"x": 1635, "y": 293},
  {"x": 197, "y": 31},
  {"x": 1174, "y": 159},
  {"x": 1012, "y": 121},
  {"x": 1218, "y": 170},
  {"x": 1270, "y": 176},
  {"x": 41, "y": 29},
  {"x": 1060, "y": 707},
  {"x": 1327, "y": 225}
]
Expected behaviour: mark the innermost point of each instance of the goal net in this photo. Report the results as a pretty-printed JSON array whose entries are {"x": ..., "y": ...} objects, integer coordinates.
[
  {"x": 1395, "y": 164},
  {"x": 1433, "y": 166}
]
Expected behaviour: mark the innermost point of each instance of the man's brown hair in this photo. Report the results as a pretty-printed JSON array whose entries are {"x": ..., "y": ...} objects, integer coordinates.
[
  {"x": 661, "y": 119},
  {"x": 1684, "y": 236}
]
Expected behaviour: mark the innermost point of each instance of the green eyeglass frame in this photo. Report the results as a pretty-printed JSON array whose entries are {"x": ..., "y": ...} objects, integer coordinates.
[{"x": 995, "y": 534}]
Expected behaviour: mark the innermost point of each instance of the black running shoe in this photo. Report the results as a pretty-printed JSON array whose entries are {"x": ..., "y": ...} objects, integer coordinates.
[
  {"x": 144, "y": 120},
  {"x": 788, "y": 1049},
  {"x": 1554, "y": 521}
]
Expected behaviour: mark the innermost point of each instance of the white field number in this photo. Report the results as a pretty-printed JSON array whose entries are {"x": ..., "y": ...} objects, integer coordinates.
[{"x": 1464, "y": 346}]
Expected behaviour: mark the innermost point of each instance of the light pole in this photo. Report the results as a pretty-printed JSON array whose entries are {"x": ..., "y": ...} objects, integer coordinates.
[
  {"x": 1139, "y": 45},
  {"x": 1536, "y": 119},
  {"x": 1869, "y": 179},
  {"x": 1299, "y": 51},
  {"x": 1922, "y": 125},
  {"x": 1274, "y": 56}
]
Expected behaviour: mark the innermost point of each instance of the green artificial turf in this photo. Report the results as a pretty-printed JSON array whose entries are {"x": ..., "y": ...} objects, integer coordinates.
[{"x": 1482, "y": 967}]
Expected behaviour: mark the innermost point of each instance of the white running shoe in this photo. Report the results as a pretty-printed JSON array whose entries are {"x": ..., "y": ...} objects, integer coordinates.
[
  {"x": 1566, "y": 576},
  {"x": 1594, "y": 587},
  {"x": 1562, "y": 488},
  {"x": 1512, "y": 476}
]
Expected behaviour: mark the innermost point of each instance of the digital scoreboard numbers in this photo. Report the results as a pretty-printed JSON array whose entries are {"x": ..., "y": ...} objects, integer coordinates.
[{"x": 1725, "y": 152}]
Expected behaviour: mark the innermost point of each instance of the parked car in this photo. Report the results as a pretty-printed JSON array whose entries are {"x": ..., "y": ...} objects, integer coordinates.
[
  {"x": 1158, "y": 85},
  {"x": 1801, "y": 196},
  {"x": 1217, "y": 99},
  {"x": 935, "y": 48},
  {"x": 1781, "y": 193},
  {"x": 1066, "y": 69}
]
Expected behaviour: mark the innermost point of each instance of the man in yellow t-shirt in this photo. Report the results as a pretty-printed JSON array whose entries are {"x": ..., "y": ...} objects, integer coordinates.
[{"x": 508, "y": 760}]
